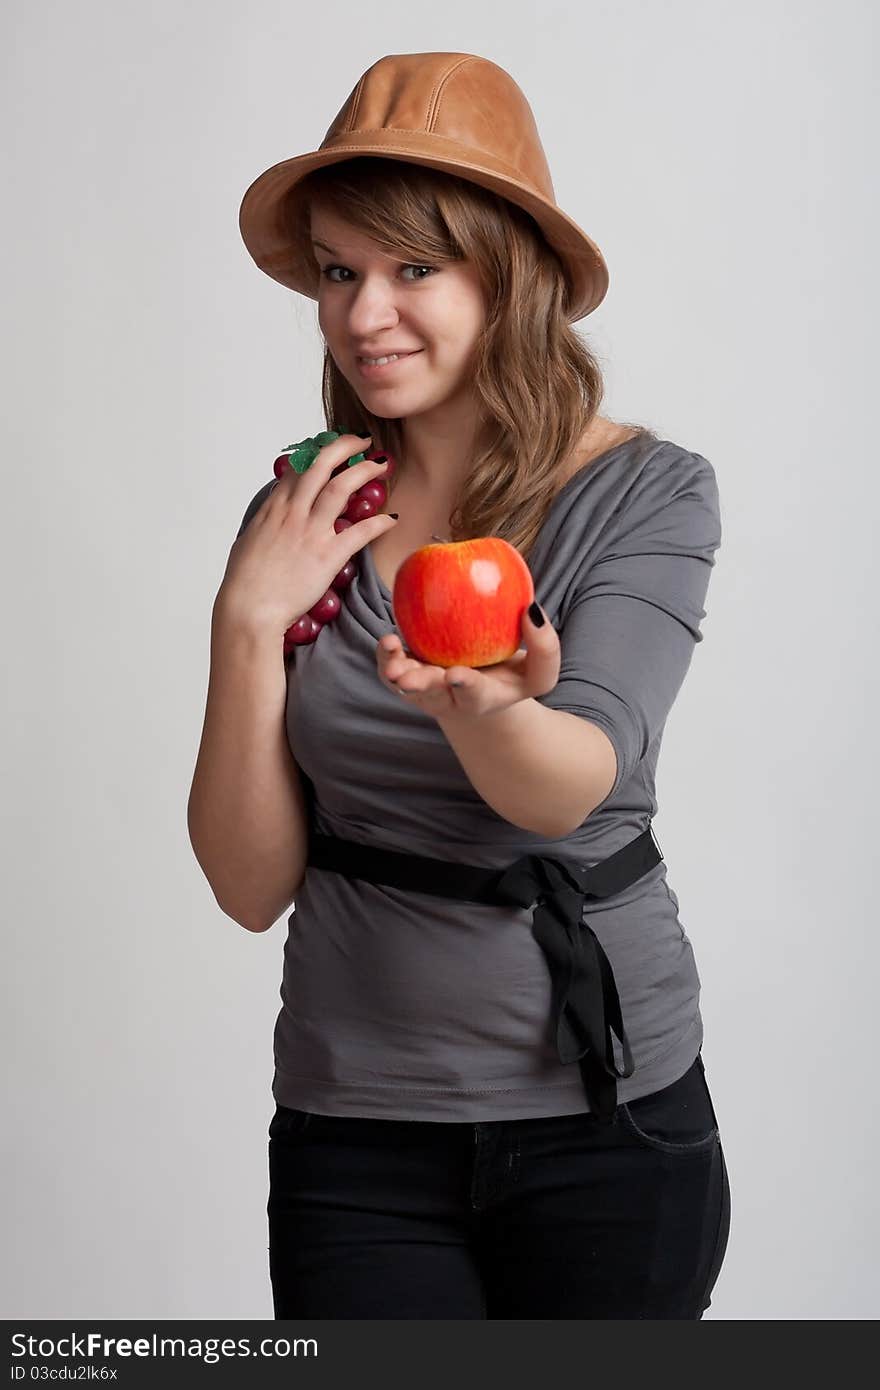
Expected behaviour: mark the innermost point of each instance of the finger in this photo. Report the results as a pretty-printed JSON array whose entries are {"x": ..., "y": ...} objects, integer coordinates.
[
  {"x": 423, "y": 680},
  {"x": 386, "y": 652},
  {"x": 400, "y": 650},
  {"x": 428, "y": 692},
  {"x": 295, "y": 472},
  {"x": 395, "y": 659},
  {"x": 389, "y": 644},
  {"x": 462, "y": 677},
  {"x": 311, "y": 482},
  {"x": 332, "y": 501},
  {"x": 543, "y": 654}
]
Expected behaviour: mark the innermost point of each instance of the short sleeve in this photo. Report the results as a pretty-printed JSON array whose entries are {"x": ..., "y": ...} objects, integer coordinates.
[
  {"x": 255, "y": 504},
  {"x": 630, "y": 630}
]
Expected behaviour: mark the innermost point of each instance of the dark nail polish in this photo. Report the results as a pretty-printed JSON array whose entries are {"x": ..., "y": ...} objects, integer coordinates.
[
  {"x": 536, "y": 615},
  {"x": 394, "y": 514}
]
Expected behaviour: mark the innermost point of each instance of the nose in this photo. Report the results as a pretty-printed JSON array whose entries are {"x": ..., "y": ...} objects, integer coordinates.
[{"x": 372, "y": 309}]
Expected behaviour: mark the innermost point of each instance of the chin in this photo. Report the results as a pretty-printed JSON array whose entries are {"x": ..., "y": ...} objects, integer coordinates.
[{"x": 380, "y": 405}]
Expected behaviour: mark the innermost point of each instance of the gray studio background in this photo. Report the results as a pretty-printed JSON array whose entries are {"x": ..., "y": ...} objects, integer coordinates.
[{"x": 719, "y": 154}]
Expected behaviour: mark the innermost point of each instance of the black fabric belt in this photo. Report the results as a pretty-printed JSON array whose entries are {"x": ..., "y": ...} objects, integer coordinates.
[{"x": 585, "y": 1003}]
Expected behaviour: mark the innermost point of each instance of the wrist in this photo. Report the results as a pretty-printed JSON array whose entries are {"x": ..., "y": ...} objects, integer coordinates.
[
  {"x": 230, "y": 624},
  {"x": 510, "y": 718}
]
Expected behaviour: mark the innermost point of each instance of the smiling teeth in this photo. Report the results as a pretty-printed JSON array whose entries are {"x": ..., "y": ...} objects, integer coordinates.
[{"x": 380, "y": 361}]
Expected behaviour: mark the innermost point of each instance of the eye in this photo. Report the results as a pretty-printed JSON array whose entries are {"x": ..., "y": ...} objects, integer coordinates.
[{"x": 326, "y": 272}]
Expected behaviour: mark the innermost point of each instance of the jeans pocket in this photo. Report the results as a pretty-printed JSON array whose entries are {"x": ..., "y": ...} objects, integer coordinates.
[
  {"x": 679, "y": 1119},
  {"x": 286, "y": 1123}
]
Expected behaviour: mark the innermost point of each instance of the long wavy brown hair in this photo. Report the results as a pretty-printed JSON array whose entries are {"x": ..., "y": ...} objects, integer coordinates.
[{"x": 537, "y": 384}]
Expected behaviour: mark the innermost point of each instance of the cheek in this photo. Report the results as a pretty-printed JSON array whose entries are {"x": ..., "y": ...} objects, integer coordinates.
[{"x": 467, "y": 319}]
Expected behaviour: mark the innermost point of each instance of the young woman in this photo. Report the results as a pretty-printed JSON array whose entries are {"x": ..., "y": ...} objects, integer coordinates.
[{"x": 490, "y": 1098}]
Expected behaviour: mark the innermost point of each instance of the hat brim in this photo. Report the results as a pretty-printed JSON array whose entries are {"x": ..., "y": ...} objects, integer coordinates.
[{"x": 262, "y": 225}]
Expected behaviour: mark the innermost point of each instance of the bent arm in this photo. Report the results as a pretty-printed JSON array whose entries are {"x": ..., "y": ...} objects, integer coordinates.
[
  {"x": 542, "y": 769},
  {"x": 247, "y": 813}
]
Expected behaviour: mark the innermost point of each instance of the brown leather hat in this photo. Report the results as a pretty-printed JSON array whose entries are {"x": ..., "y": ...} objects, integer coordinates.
[{"x": 451, "y": 111}]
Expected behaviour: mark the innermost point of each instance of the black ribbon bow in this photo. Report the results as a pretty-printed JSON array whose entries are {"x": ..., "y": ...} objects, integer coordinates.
[{"x": 586, "y": 1005}]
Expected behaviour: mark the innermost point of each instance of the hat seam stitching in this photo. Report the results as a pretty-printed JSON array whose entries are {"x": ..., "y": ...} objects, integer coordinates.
[
  {"x": 437, "y": 94},
  {"x": 356, "y": 103}
]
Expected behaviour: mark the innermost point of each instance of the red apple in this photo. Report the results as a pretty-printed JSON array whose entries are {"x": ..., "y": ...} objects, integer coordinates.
[{"x": 461, "y": 603}]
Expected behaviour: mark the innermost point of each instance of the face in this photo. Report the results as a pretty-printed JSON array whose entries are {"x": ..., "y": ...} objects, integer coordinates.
[{"x": 371, "y": 304}]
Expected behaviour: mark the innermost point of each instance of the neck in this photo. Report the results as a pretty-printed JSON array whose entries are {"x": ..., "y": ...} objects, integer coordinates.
[{"x": 437, "y": 453}]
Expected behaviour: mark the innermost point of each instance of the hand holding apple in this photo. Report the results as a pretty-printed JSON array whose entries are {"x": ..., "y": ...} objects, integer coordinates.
[{"x": 463, "y": 692}]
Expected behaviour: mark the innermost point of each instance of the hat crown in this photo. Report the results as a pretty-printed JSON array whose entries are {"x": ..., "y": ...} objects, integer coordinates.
[{"x": 459, "y": 97}]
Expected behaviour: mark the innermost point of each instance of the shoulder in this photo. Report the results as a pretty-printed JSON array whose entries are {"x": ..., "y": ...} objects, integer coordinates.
[
  {"x": 652, "y": 497},
  {"x": 646, "y": 469},
  {"x": 669, "y": 470},
  {"x": 637, "y": 477},
  {"x": 672, "y": 493}
]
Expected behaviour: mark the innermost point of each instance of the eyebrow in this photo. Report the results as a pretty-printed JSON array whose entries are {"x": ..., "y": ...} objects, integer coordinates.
[{"x": 324, "y": 247}]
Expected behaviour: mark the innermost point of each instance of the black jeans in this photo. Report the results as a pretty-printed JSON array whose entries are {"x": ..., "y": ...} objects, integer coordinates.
[{"x": 554, "y": 1217}]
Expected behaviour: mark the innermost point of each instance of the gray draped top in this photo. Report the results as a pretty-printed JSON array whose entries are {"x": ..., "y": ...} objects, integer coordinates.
[{"x": 404, "y": 1005}]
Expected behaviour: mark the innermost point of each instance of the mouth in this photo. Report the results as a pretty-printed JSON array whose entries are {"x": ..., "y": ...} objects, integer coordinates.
[{"x": 369, "y": 369}]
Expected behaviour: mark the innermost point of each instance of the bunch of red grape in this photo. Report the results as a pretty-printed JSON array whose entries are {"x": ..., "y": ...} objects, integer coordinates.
[{"x": 366, "y": 501}]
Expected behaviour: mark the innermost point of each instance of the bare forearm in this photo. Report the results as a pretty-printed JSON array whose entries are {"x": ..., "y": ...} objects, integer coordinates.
[
  {"x": 246, "y": 812},
  {"x": 543, "y": 770}
]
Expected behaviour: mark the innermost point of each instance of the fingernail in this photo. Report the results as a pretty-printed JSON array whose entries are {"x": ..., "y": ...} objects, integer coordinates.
[
  {"x": 536, "y": 615},
  {"x": 396, "y": 515}
]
